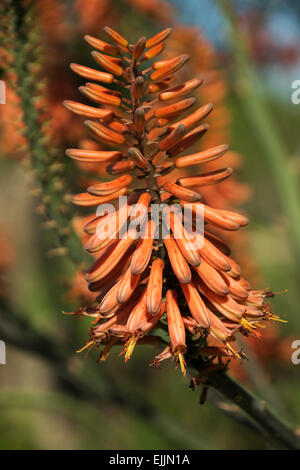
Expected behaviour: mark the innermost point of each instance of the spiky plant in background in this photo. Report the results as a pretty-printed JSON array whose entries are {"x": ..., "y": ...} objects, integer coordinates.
[{"x": 137, "y": 279}]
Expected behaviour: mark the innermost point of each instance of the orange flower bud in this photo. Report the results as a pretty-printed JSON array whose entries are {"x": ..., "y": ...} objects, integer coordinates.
[
  {"x": 92, "y": 74},
  {"x": 179, "y": 264},
  {"x": 169, "y": 69},
  {"x": 194, "y": 118},
  {"x": 116, "y": 37},
  {"x": 196, "y": 305},
  {"x": 173, "y": 110},
  {"x": 88, "y": 111},
  {"x": 154, "y": 51},
  {"x": 120, "y": 167},
  {"x": 188, "y": 140},
  {"x": 173, "y": 138},
  {"x": 201, "y": 157},
  {"x": 182, "y": 193},
  {"x": 176, "y": 328},
  {"x": 101, "y": 45},
  {"x": 158, "y": 38},
  {"x": 100, "y": 97},
  {"x": 90, "y": 156},
  {"x": 109, "y": 187},
  {"x": 154, "y": 287},
  {"x": 87, "y": 200},
  {"x": 180, "y": 90},
  {"x": 107, "y": 64},
  {"x": 104, "y": 134},
  {"x": 206, "y": 179}
]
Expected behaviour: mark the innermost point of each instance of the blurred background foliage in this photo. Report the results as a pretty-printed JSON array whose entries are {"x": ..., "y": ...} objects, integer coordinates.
[{"x": 52, "y": 398}]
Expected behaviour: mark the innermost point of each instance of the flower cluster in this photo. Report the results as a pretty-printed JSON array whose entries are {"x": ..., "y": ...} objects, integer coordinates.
[{"x": 150, "y": 124}]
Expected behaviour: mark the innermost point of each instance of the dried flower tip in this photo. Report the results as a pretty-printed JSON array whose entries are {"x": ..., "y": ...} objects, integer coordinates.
[
  {"x": 139, "y": 120},
  {"x": 139, "y": 48},
  {"x": 87, "y": 200},
  {"x": 137, "y": 88}
]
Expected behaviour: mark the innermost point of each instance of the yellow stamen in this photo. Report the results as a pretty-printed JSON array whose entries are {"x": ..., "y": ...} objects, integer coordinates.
[
  {"x": 260, "y": 325},
  {"x": 90, "y": 343},
  {"x": 284, "y": 291},
  {"x": 237, "y": 355},
  {"x": 105, "y": 352},
  {"x": 182, "y": 363},
  {"x": 129, "y": 347},
  {"x": 276, "y": 318},
  {"x": 248, "y": 325}
]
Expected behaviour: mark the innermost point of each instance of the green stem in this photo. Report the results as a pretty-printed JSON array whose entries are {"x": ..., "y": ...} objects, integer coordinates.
[{"x": 269, "y": 425}]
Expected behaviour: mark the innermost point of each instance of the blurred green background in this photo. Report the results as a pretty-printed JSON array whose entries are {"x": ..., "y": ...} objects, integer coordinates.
[{"x": 52, "y": 398}]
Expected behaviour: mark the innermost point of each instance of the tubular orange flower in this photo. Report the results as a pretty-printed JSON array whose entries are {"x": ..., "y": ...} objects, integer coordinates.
[
  {"x": 135, "y": 280},
  {"x": 176, "y": 328}
]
